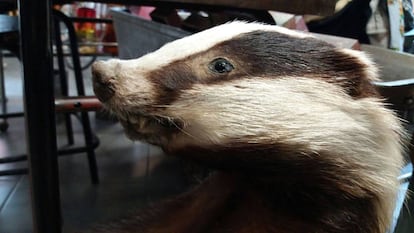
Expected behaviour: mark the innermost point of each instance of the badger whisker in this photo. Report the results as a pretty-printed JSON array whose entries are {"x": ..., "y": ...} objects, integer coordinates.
[
  {"x": 186, "y": 133},
  {"x": 180, "y": 127},
  {"x": 162, "y": 106}
]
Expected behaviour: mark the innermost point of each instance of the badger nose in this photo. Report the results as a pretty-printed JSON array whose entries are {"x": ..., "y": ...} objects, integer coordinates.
[{"x": 103, "y": 76}]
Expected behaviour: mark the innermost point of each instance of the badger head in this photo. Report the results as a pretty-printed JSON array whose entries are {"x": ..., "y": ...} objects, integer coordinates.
[{"x": 266, "y": 101}]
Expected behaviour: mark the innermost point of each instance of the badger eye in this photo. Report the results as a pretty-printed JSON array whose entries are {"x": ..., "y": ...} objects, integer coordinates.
[{"x": 221, "y": 66}]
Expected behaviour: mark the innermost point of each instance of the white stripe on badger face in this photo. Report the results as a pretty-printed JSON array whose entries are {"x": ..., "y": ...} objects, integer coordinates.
[
  {"x": 202, "y": 41},
  {"x": 293, "y": 111}
]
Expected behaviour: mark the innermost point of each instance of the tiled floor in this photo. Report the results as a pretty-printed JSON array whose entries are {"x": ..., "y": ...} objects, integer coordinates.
[{"x": 132, "y": 174}]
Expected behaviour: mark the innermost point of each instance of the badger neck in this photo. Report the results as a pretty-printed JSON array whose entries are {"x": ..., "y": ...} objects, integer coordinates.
[{"x": 315, "y": 191}]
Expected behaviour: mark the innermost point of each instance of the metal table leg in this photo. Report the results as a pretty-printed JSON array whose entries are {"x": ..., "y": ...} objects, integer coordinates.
[{"x": 39, "y": 114}]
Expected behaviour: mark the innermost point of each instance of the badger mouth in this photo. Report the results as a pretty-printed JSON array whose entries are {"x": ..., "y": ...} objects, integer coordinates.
[{"x": 156, "y": 130}]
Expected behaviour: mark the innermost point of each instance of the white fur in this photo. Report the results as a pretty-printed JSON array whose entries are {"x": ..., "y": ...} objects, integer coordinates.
[
  {"x": 290, "y": 109},
  {"x": 128, "y": 77}
]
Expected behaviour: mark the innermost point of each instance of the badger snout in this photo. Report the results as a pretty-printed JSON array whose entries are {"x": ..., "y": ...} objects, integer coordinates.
[{"x": 103, "y": 75}]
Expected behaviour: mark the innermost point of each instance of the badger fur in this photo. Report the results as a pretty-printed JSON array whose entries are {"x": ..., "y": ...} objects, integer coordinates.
[{"x": 299, "y": 137}]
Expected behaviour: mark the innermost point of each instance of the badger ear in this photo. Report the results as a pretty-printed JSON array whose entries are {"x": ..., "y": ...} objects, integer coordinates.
[
  {"x": 361, "y": 75},
  {"x": 364, "y": 59}
]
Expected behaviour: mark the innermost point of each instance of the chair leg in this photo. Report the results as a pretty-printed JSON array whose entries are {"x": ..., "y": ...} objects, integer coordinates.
[
  {"x": 3, "y": 125},
  {"x": 69, "y": 129},
  {"x": 63, "y": 79},
  {"x": 90, "y": 150}
]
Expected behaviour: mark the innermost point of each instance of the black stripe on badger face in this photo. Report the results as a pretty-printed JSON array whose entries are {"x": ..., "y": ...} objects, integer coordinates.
[{"x": 266, "y": 54}]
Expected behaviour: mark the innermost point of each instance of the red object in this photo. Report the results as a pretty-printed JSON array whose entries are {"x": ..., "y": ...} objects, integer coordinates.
[
  {"x": 84, "y": 12},
  {"x": 77, "y": 104}
]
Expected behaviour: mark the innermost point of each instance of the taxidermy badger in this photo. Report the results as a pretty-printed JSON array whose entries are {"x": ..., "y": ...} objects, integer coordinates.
[{"x": 299, "y": 137}]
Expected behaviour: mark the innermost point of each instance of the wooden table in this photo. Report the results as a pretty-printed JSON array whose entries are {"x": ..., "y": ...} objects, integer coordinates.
[
  {"x": 298, "y": 7},
  {"x": 37, "y": 57}
]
